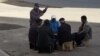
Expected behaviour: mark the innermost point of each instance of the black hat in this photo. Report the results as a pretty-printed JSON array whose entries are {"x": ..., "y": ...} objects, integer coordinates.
[
  {"x": 61, "y": 19},
  {"x": 36, "y": 4}
]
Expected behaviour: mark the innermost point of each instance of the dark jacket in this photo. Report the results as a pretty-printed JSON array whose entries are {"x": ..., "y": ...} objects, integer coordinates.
[
  {"x": 33, "y": 35},
  {"x": 45, "y": 38},
  {"x": 64, "y": 33},
  {"x": 36, "y": 14}
]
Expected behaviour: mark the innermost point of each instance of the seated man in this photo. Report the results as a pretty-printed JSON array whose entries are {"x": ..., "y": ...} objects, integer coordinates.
[
  {"x": 64, "y": 36},
  {"x": 45, "y": 38},
  {"x": 84, "y": 34},
  {"x": 54, "y": 25}
]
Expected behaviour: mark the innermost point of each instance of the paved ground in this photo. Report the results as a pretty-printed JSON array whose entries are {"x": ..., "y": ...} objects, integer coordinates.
[
  {"x": 2, "y": 53},
  {"x": 14, "y": 25},
  {"x": 15, "y": 41}
]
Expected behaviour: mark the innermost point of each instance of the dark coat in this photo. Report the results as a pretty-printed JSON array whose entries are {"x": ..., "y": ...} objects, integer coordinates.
[
  {"x": 33, "y": 36},
  {"x": 36, "y": 14},
  {"x": 64, "y": 33},
  {"x": 45, "y": 39}
]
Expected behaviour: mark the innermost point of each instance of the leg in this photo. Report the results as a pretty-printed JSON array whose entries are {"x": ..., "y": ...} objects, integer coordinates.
[{"x": 31, "y": 46}]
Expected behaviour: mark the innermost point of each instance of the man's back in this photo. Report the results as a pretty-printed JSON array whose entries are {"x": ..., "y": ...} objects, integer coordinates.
[
  {"x": 45, "y": 40},
  {"x": 64, "y": 32},
  {"x": 45, "y": 35},
  {"x": 54, "y": 26}
]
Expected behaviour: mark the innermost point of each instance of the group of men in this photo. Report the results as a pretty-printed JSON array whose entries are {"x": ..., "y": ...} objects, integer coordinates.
[{"x": 49, "y": 35}]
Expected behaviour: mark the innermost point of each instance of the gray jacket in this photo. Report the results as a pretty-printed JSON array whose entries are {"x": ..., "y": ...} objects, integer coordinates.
[{"x": 88, "y": 30}]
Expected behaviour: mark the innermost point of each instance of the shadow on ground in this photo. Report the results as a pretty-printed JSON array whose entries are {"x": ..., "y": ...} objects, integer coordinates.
[
  {"x": 14, "y": 22},
  {"x": 6, "y": 26}
]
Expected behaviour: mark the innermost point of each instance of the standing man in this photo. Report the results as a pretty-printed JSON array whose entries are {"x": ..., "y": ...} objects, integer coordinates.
[
  {"x": 36, "y": 13},
  {"x": 35, "y": 22},
  {"x": 33, "y": 34}
]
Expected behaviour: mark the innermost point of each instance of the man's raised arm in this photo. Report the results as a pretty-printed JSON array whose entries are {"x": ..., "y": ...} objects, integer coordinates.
[{"x": 45, "y": 10}]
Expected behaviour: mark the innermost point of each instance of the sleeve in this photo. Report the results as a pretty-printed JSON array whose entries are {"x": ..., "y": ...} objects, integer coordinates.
[
  {"x": 69, "y": 28},
  {"x": 44, "y": 10},
  {"x": 85, "y": 29},
  {"x": 50, "y": 33}
]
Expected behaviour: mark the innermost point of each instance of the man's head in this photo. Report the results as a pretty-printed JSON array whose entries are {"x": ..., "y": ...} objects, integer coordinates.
[
  {"x": 36, "y": 5},
  {"x": 53, "y": 18},
  {"x": 61, "y": 20},
  {"x": 83, "y": 19},
  {"x": 46, "y": 22}
]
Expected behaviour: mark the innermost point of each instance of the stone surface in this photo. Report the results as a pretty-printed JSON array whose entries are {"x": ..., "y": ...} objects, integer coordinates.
[{"x": 2, "y": 53}]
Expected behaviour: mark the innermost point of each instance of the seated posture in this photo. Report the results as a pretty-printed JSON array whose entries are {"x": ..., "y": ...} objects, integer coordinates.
[
  {"x": 45, "y": 38},
  {"x": 54, "y": 27},
  {"x": 84, "y": 34},
  {"x": 64, "y": 36}
]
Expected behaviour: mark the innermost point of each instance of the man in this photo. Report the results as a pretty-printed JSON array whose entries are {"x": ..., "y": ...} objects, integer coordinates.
[
  {"x": 36, "y": 13},
  {"x": 54, "y": 25},
  {"x": 33, "y": 34},
  {"x": 84, "y": 33},
  {"x": 34, "y": 17},
  {"x": 64, "y": 36}
]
